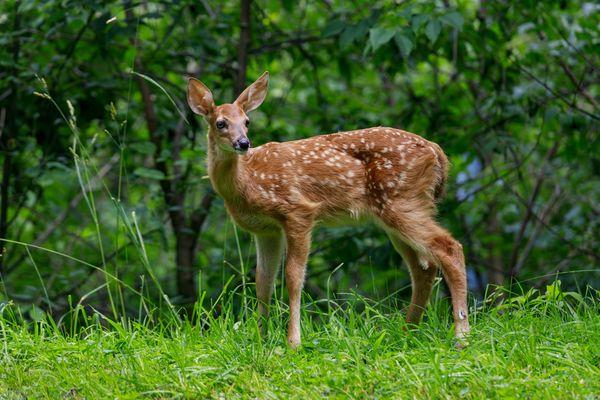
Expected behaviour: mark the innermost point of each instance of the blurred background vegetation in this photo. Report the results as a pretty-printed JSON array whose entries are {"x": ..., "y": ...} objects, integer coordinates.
[{"x": 111, "y": 197}]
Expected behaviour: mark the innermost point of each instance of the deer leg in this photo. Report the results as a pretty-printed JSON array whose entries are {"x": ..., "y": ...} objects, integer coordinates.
[
  {"x": 269, "y": 252},
  {"x": 298, "y": 246},
  {"x": 422, "y": 275},
  {"x": 437, "y": 246},
  {"x": 449, "y": 252}
]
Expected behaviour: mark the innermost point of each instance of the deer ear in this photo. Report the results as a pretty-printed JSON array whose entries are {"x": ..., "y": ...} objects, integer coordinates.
[
  {"x": 199, "y": 97},
  {"x": 255, "y": 94}
]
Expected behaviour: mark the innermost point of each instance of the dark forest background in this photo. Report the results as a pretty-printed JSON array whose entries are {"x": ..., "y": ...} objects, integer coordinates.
[{"x": 104, "y": 193}]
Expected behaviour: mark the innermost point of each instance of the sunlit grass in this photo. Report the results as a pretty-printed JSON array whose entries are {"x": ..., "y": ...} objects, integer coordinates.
[{"x": 530, "y": 346}]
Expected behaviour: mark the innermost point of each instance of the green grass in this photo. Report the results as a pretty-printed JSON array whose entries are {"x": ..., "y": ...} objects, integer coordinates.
[{"x": 532, "y": 346}]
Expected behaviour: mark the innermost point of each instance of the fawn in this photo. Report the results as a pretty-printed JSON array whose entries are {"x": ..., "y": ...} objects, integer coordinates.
[{"x": 279, "y": 191}]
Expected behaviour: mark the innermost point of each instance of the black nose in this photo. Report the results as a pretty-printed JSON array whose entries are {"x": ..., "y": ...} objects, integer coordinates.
[{"x": 243, "y": 144}]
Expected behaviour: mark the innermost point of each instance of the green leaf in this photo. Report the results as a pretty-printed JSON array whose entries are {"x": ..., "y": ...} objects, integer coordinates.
[
  {"x": 149, "y": 173},
  {"x": 404, "y": 44},
  {"x": 553, "y": 291},
  {"x": 362, "y": 28},
  {"x": 417, "y": 21},
  {"x": 407, "y": 11},
  {"x": 432, "y": 30},
  {"x": 347, "y": 37},
  {"x": 36, "y": 313},
  {"x": 380, "y": 36},
  {"x": 333, "y": 27},
  {"x": 143, "y": 147},
  {"x": 288, "y": 5},
  {"x": 454, "y": 19}
]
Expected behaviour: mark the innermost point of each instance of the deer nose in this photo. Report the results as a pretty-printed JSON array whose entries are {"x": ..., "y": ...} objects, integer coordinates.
[{"x": 242, "y": 144}]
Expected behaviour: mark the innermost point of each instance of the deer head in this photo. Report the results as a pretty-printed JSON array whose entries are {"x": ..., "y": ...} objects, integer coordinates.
[{"x": 228, "y": 123}]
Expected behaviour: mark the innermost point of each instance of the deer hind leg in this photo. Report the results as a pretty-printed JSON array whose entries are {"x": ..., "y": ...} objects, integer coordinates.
[
  {"x": 298, "y": 246},
  {"x": 436, "y": 245},
  {"x": 269, "y": 252},
  {"x": 422, "y": 275}
]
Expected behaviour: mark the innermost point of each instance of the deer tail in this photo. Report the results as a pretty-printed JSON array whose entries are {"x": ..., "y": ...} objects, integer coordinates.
[{"x": 441, "y": 168}]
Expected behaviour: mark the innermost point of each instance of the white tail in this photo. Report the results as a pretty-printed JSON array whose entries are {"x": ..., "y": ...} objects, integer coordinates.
[{"x": 279, "y": 191}]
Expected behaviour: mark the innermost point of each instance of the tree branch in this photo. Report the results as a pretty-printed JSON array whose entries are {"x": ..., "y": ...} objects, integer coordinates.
[
  {"x": 578, "y": 86},
  {"x": 529, "y": 209},
  {"x": 570, "y": 104},
  {"x": 544, "y": 217}
]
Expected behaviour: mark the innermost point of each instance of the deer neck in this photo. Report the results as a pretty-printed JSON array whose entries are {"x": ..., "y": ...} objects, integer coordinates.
[{"x": 225, "y": 170}]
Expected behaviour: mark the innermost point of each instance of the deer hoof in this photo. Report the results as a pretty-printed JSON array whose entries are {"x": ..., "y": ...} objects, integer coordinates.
[{"x": 462, "y": 333}]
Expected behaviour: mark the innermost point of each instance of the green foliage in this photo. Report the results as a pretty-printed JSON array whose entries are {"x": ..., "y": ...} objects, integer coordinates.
[{"x": 510, "y": 91}]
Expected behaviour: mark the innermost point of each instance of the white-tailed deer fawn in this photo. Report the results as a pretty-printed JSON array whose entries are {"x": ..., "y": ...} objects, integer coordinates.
[{"x": 279, "y": 191}]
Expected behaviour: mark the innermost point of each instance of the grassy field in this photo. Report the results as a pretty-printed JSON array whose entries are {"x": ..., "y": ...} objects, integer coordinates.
[{"x": 538, "y": 346}]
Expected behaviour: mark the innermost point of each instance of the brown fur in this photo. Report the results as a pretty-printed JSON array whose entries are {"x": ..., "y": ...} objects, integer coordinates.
[{"x": 279, "y": 191}]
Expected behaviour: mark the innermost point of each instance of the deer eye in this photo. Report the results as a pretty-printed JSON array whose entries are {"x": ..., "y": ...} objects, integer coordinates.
[
  {"x": 247, "y": 122},
  {"x": 221, "y": 124}
]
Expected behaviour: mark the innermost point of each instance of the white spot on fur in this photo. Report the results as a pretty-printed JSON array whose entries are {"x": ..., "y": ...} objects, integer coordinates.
[{"x": 401, "y": 177}]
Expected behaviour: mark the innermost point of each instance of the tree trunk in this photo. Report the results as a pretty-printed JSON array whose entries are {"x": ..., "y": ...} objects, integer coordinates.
[
  {"x": 186, "y": 228},
  {"x": 243, "y": 45},
  {"x": 4, "y": 199},
  {"x": 7, "y": 143},
  {"x": 186, "y": 272},
  {"x": 496, "y": 272}
]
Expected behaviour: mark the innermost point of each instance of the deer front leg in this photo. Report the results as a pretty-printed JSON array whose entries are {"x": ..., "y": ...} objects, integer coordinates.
[
  {"x": 298, "y": 246},
  {"x": 269, "y": 251}
]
